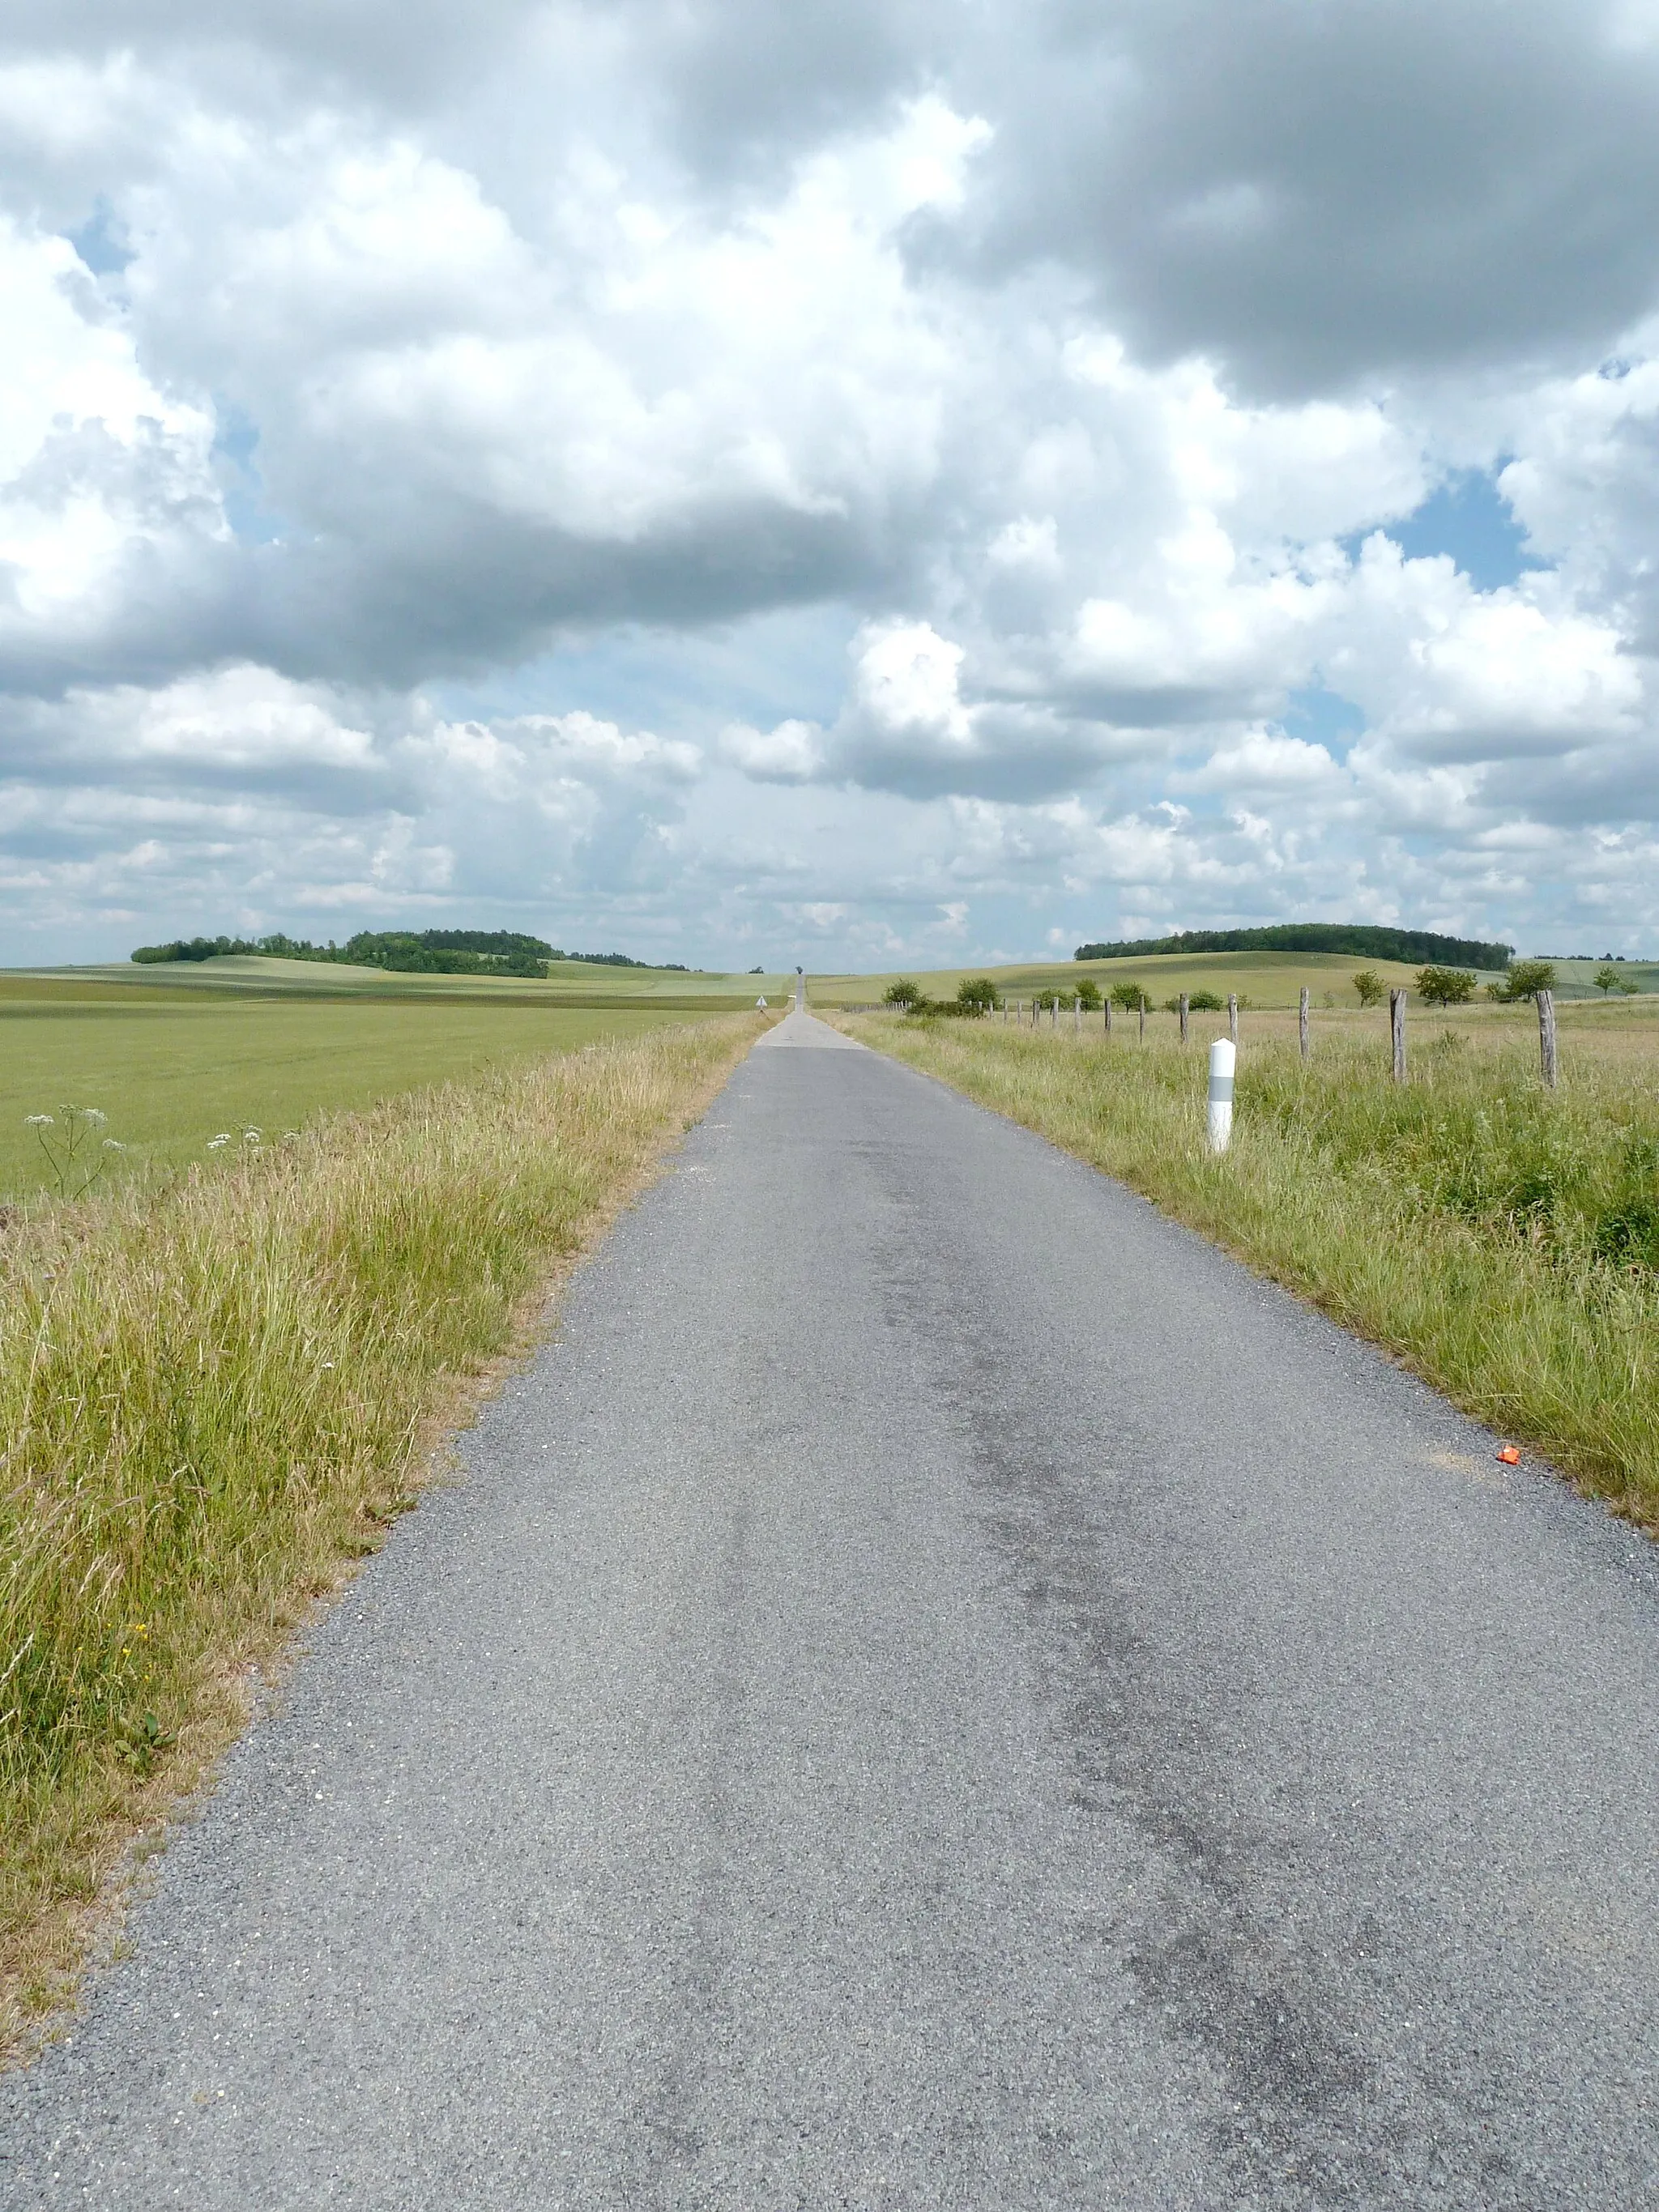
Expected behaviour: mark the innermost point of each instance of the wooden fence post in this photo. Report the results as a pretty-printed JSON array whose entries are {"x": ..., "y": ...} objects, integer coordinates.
[
  {"x": 1547, "y": 1037},
  {"x": 1106, "y": 1003},
  {"x": 1232, "y": 1016},
  {"x": 1053, "y": 1012},
  {"x": 1077, "y": 1017},
  {"x": 1301, "y": 1021},
  {"x": 1143, "y": 1020},
  {"x": 1183, "y": 1017},
  {"x": 1397, "y": 1032}
]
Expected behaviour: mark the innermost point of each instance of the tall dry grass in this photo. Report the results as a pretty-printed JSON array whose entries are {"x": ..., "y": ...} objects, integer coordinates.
[
  {"x": 215, "y": 1391},
  {"x": 1502, "y": 1239}
]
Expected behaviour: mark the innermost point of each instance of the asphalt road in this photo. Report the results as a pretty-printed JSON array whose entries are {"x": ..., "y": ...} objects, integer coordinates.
[{"x": 938, "y": 1690}]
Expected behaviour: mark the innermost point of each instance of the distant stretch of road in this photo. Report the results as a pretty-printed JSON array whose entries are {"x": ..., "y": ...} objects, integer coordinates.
[{"x": 938, "y": 1690}]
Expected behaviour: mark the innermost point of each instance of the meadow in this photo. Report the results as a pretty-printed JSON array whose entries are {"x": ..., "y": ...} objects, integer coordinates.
[
  {"x": 218, "y": 1387},
  {"x": 1500, "y": 1238},
  {"x": 1263, "y": 979},
  {"x": 176, "y": 1065}
]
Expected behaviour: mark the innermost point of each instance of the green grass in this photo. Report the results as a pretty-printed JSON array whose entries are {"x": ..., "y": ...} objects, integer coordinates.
[
  {"x": 215, "y": 1388},
  {"x": 1502, "y": 1239},
  {"x": 170, "y": 1070}
]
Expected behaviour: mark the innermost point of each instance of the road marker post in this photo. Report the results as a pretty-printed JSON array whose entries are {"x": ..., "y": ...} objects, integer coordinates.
[{"x": 1223, "y": 1062}]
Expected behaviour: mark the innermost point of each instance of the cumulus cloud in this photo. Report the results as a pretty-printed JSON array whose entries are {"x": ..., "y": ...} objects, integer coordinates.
[{"x": 920, "y": 481}]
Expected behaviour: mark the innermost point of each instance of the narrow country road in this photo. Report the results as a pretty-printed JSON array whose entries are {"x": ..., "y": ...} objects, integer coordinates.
[{"x": 938, "y": 1690}]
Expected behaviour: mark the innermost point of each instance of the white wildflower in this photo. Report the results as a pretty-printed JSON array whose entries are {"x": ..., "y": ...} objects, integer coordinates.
[
  {"x": 214, "y": 1143},
  {"x": 114, "y": 1145},
  {"x": 92, "y": 1114},
  {"x": 37, "y": 1122}
]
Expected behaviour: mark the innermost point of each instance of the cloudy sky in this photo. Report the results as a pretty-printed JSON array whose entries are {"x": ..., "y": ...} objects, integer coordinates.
[{"x": 853, "y": 481}]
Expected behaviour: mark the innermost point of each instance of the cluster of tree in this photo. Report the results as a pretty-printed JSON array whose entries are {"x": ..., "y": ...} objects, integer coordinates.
[
  {"x": 402, "y": 951},
  {"x": 1367, "y": 940},
  {"x": 976, "y": 995},
  {"x": 1607, "y": 978},
  {"x": 1456, "y": 986}
]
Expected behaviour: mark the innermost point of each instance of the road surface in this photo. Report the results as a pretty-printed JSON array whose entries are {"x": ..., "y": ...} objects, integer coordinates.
[{"x": 937, "y": 1690}]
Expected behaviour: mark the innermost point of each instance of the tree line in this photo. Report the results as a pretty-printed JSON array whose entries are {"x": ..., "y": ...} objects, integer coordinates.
[
  {"x": 402, "y": 951},
  {"x": 1364, "y": 941}
]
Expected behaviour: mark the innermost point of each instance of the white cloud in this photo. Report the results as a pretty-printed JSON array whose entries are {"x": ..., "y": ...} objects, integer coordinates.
[{"x": 419, "y": 388}]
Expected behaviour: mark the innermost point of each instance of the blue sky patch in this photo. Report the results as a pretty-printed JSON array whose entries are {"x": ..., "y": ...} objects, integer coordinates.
[
  {"x": 1468, "y": 517},
  {"x": 99, "y": 243},
  {"x": 1319, "y": 717}
]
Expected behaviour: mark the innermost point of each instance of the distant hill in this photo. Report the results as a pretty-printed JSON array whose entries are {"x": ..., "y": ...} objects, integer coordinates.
[
  {"x": 1364, "y": 941},
  {"x": 402, "y": 951}
]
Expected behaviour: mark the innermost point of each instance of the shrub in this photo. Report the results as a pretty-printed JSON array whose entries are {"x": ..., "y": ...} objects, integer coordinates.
[
  {"x": 906, "y": 994},
  {"x": 1088, "y": 995},
  {"x": 976, "y": 995},
  {"x": 1207, "y": 1002},
  {"x": 1132, "y": 997},
  {"x": 1368, "y": 984}
]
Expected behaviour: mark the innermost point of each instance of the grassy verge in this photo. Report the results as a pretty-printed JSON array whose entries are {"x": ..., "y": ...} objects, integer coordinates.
[
  {"x": 217, "y": 1392},
  {"x": 1501, "y": 1239}
]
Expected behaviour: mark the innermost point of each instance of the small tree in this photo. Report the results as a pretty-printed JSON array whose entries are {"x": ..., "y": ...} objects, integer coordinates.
[
  {"x": 1606, "y": 979},
  {"x": 1526, "y": 978},
  {"x": 1206, "y": 1002},
  {"x": 1088, "y": 995},
  {"x": 905, "y": 995},
  {"x": 1132, "y": 997},
  {"x": 1368, "y": 984},
  {"x": 1444, "y": 986},
  {"x": 976, "y": 995}
]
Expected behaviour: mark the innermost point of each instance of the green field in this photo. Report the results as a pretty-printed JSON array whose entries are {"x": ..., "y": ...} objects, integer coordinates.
[
  {"x": 225, "y": 1045},
  {"x": 1264, "y": 979},
  {"x": 571, "y": 983}
]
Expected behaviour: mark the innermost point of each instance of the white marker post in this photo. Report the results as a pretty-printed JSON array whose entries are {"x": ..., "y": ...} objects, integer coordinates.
[{"x": 1224, "y": 1060}]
